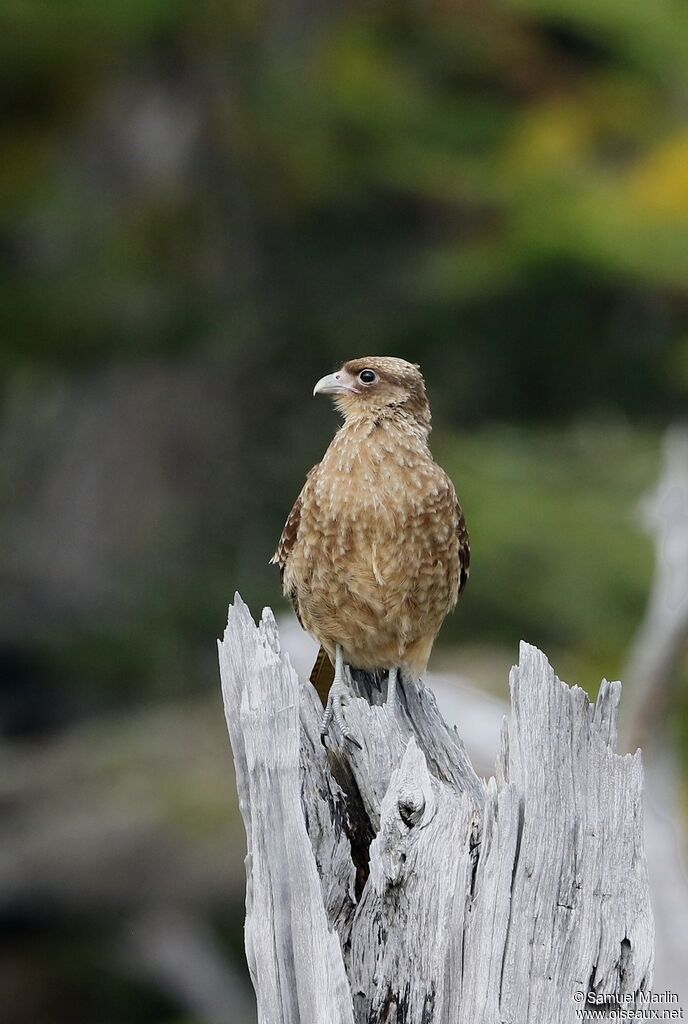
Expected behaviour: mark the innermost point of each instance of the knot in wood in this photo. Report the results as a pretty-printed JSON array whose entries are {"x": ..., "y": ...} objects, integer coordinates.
[{"x": 411, "y": 806}]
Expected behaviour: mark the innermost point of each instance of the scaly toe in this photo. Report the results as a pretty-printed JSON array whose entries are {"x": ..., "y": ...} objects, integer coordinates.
[{"x": 338, "y": 698}]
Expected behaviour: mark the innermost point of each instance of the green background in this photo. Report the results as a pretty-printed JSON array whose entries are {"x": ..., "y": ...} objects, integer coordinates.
[{"x": 204, "y": 207}]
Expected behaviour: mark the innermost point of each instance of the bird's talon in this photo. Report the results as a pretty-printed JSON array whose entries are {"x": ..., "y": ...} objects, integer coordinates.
[{"x": 338, "y": 699}]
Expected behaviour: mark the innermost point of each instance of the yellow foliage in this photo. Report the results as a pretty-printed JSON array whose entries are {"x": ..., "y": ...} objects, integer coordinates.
[
  {"x": 552, "y": 135},
  {"x": 659, "y": 185}
]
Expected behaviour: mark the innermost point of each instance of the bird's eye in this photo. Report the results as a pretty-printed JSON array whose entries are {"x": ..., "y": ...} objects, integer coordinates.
[{"x": 367, "y": 376}]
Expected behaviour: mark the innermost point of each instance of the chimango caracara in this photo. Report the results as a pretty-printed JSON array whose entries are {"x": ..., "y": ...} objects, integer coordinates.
[{"x": 375, "y": 551}]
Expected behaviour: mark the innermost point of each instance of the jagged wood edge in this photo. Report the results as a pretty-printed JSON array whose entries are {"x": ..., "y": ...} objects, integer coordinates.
[{"x": 469, "y": 867}]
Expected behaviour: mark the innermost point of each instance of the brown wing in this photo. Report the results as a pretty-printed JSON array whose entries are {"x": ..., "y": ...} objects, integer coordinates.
[
  {"x": 286, "y": 543},
  {"x": 322, "y": 674},
  {"x": 288, "y": 538},
  {"x": 464, "y": 547},
  {"x": 284, "y": 546}
]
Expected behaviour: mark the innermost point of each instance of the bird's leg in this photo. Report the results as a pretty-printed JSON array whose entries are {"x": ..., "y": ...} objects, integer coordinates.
[
  {"x": 337, "y": 700},
  {"x": 392, "y": 687}
]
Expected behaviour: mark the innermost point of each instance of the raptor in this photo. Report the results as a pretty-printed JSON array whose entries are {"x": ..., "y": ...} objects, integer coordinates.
[{"x": 375, "y": 551}]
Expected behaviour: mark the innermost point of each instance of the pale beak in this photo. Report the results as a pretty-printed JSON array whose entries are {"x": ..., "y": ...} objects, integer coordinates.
[{"x": 333, "y": 384}]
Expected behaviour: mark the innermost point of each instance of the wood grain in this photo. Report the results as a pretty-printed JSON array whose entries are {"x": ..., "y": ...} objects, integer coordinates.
[{"x": 391, "y": 884}]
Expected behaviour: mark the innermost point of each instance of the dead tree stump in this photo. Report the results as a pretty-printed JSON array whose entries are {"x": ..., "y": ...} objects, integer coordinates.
[{"x": 391, "y": 884}]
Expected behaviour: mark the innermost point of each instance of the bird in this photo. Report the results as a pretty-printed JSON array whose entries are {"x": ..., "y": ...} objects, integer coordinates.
[{"x": 375, "y": 551}]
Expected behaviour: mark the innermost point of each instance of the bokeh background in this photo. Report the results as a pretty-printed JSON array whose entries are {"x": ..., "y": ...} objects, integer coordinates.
[{"x": 203, "y": 208}]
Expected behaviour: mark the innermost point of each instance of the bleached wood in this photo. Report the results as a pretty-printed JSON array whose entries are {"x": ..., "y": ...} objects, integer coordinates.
[
  {"x": 663, "y": 634},
  {"x": 390, "y": 884},
  {"x": 651, "y": 676},
  {"x": 294, "y": 957}
]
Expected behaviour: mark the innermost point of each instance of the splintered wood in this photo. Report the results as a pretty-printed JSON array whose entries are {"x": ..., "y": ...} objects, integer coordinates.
[{"x": 391, "y": 884}]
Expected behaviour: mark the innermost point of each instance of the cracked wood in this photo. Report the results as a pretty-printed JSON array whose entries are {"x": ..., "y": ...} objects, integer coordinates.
[{"x": 391, "y": 884}]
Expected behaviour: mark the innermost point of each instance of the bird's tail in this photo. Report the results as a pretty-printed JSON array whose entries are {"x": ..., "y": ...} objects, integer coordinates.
[{"x": 322, "y": 675}]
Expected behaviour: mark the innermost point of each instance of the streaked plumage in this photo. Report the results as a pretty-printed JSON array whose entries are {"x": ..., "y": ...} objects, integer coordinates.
[{"x": 375, "y": 551}]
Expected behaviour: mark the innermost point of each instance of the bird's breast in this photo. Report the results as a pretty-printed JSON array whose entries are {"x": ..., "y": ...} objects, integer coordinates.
[
  {"x": 374, "y": 521},
  {"x": 375, "y": 566},
  {"x": 377, "y": 496}
]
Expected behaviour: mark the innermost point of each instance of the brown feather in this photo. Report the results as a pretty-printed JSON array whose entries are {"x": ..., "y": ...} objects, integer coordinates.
[
  {"x": 375, "y": 551},
  {"x": 284, "y": 546},
  {"x": 322, "y": 675},
  {"x": 464, "y": 548}
]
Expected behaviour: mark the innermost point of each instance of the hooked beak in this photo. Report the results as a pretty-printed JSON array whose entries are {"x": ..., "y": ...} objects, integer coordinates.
[{"x": 333, "y": 384}]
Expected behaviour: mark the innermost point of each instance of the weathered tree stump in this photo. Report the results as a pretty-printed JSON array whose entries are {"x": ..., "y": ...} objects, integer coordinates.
[{"x": 391, "y": 884}]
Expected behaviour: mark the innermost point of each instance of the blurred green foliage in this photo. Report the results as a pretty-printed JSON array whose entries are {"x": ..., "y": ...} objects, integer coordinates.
[
  {"x": 558, "y": 558},
  {"x": 499, "y": 190}
]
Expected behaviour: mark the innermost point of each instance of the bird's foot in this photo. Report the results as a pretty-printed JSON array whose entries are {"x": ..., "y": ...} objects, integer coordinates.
[{"x": 337, "y": 700}]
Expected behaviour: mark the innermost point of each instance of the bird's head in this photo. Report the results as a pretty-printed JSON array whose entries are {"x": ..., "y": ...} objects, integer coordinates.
[{"x": 377, "y": 387}]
